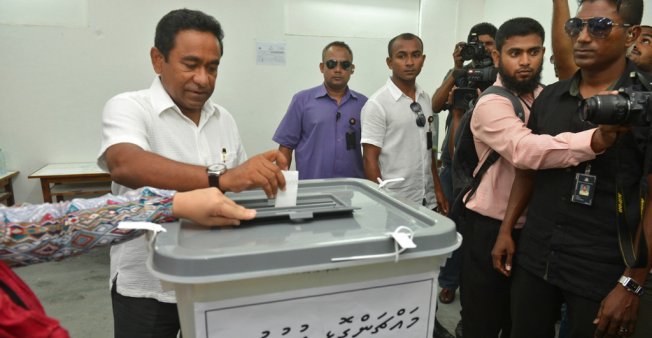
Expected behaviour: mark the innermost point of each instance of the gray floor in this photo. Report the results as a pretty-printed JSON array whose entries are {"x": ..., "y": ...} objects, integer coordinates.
[{"x": 76, "y": 292}]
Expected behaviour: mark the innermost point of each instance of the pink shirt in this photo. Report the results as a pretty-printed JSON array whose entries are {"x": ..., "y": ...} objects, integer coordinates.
[{"x": 495, "y": 126}]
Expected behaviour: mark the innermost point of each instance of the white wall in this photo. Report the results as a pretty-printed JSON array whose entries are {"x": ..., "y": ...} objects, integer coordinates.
[{"x": 54, "y": 80}]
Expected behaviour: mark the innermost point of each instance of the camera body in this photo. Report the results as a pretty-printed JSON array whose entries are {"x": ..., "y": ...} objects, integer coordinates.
[
  {"x": 629, "y": 107},
  {"x": 474, "y": 50},
  {"x": 480, "y": 76}
]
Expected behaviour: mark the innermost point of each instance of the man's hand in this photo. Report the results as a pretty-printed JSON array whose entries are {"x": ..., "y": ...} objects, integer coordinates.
[
  {"x": 442, "y": 202},
  {"x": 457, "y": 56},
  {"x": 209, "y": 207},
  {"x": 617, "y": 314},
  {"x": 503, "y": 252},
  {"x": 605, "y": 136},
  {"x": 260, "y": 171}
]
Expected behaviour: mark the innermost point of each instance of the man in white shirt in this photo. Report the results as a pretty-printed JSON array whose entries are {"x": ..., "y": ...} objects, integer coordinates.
[
  {"x": 172, "y": 136},
  {"x": 397, "y": 125}
]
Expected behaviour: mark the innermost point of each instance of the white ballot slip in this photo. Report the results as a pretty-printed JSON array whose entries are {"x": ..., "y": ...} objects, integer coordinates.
[{"x": 288, "y": 198}]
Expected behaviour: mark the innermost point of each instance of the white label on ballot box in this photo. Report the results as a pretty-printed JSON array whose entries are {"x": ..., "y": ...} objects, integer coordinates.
[{"x": 397, "y": 307}]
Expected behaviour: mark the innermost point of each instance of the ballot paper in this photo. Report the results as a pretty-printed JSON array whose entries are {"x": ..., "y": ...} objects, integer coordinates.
[{"x": 288, "y": 198}]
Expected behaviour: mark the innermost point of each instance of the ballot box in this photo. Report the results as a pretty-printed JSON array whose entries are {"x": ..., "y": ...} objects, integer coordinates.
[{"x": 338, "y": 264}]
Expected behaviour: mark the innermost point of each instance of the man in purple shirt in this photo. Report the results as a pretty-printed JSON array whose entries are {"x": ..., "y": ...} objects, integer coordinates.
[{"x": 323, "y": 123}]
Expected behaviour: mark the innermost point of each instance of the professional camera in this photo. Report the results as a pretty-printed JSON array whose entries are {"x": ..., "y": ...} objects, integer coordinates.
[
  {"x": 628, "y": 107},
  {"x": 474, "y": 50},
  {"x": 480, "y": 76}
]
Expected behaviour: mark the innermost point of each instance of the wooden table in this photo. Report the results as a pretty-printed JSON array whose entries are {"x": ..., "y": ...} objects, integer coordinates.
[
  {"x": 72, "y": 179},
  {"x": 7, "y": 188}
]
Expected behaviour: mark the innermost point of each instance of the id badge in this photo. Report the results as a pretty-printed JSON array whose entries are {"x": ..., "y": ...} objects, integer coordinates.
[
  {"x": 584, "y": 189},
  {"x": 350, "y": 140}
]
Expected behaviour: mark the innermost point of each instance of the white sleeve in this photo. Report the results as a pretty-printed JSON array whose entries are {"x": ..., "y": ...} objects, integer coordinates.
[
  {"x": 123, "y": 121},
  {"x": 373, "y": 124}
]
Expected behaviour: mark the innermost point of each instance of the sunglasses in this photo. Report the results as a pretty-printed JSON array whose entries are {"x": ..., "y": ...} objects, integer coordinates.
[
  {"x": 421, "y": 119},
  {"x": 598, "y": 27},
  {"x": 330, "y": 64}
]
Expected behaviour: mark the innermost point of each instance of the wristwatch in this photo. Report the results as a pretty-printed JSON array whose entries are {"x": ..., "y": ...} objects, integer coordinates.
[
  {"x": 214, "y": 172},
  {"x": 631, "y": 285}
]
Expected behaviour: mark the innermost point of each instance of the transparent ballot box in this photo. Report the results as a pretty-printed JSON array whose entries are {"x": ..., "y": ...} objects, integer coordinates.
[{"x": 340, "y": 263}]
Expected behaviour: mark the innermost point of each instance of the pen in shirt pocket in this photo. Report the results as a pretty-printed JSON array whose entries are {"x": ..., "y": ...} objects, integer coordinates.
[{"x": 224, "y": 155}]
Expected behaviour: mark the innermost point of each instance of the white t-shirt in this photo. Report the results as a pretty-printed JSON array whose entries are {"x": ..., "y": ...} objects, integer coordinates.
[
  {"x": 150, "y": 119},
  {"x": 390, "y": 124}
]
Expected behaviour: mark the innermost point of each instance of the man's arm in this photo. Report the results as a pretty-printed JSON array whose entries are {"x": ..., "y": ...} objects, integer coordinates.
[
  {"x": 134, "y": 167},
  {"x": 562, "y": 46},
  {"x": 620, "y": 308},
  {"x": 287, "y": 152},
  {"x": 440, "y": 96},
  {"x": 519, "y": 197},
  {"x": 370, "y": 156},
  {"x": 442, "y": 202},
  {"x": 495, "y": 124}
]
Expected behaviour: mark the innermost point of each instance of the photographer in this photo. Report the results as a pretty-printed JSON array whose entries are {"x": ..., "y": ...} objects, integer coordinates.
[
  {"x": 569, "y": 249},
  {"x": 485, "y": 33}
]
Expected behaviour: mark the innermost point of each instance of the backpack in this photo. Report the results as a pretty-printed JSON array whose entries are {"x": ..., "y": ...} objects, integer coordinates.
[{"x": 465, "y": 158}]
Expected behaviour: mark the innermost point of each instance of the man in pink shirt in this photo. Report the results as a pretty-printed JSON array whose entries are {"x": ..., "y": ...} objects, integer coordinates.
[{"x": 519, "y": 56}]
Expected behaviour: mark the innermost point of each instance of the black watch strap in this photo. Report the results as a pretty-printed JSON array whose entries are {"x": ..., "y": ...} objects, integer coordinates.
[{"x": 214, "y": 180}]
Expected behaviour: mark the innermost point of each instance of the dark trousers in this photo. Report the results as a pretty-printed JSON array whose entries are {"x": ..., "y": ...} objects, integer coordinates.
[
  {"x": 449, "y": 275},
  {"x": 484, "y": 291},
  {"x": 143, "y": 317},
  {"x": 644, "y": 322},
  {"x": 536, "y": 304}
]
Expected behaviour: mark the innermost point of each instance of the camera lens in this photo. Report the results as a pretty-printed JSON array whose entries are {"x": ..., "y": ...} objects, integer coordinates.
[
  {"x": 605, "y": 109},
  {"x": 467, "y": 52}
]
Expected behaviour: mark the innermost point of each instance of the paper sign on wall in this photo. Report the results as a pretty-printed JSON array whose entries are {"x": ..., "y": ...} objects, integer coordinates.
[{"x": 270, "y": 53}]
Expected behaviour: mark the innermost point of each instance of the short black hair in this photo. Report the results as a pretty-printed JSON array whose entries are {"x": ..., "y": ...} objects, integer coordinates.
[
  {"x": 631, "y": 11},
  {"x": 483, "y": 28},
  {"x": 184, "y": 19},
  {"x": 518, "y": 27},
  {"x": 404, "y": 36},
  {"x": 336, "y": 44}
]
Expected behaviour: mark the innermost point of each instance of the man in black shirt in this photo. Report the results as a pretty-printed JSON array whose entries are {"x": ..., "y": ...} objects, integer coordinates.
[{"x": 569, "y": 249}]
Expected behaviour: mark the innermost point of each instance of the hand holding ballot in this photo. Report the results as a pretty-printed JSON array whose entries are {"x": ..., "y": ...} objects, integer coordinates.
[{"x": 261, "y": 171}]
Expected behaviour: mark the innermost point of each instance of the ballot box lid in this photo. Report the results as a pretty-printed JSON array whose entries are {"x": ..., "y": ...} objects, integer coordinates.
[{"x": 351, "y": 218}]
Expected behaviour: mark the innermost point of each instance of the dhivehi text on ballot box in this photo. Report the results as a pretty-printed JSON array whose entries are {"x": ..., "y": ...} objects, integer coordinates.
[{"x": 338, "y": 264}]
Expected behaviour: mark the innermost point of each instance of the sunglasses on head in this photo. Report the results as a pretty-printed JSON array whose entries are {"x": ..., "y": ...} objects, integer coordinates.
[
  {"x": 421, "y": 119},
  {"x": 330, "y": 64},
  {"x": 598, "y": 27}
]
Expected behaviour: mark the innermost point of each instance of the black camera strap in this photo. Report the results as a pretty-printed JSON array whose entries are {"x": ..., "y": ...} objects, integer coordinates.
[{"x": 633, "y": 256}]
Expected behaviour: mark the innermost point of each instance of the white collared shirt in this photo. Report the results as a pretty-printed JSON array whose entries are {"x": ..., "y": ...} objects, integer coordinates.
[
  {"x": 150, "y": 119},
  {"x": 390, "y": 124}
]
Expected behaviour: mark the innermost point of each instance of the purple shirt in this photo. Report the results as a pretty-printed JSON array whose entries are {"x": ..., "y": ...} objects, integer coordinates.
[{"x": 316, "y": 127}]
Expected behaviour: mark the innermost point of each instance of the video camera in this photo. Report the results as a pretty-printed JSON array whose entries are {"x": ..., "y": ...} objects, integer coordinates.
[
  {"x": 481, "y": 75},
  {"x": 628, "y": 107}
]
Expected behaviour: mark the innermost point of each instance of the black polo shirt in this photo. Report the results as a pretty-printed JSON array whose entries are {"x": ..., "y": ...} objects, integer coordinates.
[{"x": 571, "y": 245}]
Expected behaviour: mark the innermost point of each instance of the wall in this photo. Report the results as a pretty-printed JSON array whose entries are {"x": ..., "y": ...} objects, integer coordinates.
[{"x": 54, "y": 80}]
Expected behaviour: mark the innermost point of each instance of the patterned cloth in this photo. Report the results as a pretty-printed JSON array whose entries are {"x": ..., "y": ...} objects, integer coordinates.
[{"x": 39, "y": 233}]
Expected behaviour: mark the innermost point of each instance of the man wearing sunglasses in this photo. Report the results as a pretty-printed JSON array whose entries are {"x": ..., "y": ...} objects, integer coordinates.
[
  {"x": 569, "y": 249},
  {"x": 397, "y": 128},
  {"x": 640, "y": 54},
  {"x": 323, "y": 123}
]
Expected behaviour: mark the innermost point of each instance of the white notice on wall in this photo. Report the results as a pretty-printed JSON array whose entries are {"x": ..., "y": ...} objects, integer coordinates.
[
  {"x": 397, "y": 307},
  {"x": 270, "y": 53}
]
